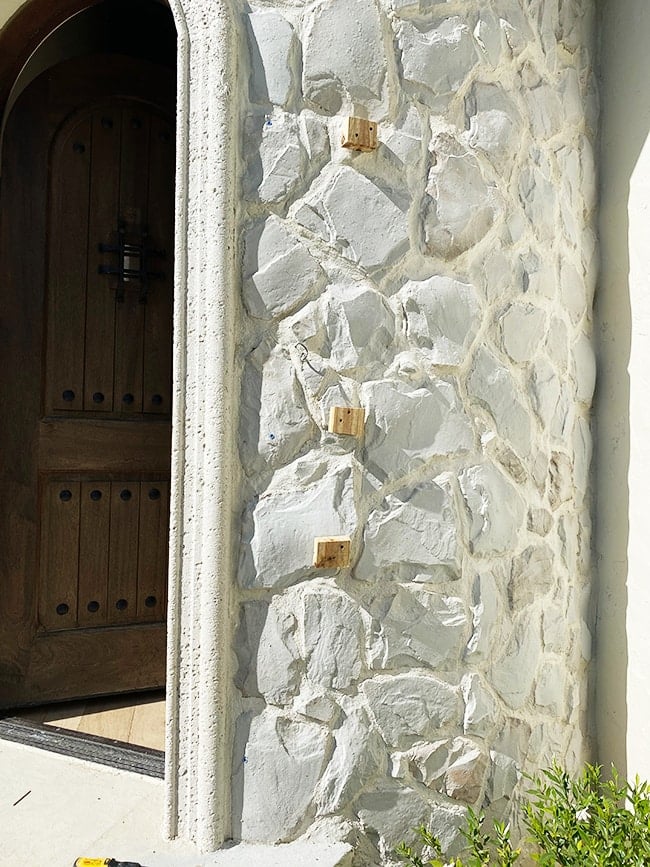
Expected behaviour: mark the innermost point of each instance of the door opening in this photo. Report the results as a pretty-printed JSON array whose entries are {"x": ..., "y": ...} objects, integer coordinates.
[{"x": 86, "y": 275}]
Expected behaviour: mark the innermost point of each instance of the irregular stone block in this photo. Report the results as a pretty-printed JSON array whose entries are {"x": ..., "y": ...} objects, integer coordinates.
[
  {"x": 315, "y": 703},
  {"x": 415, "y": 529},
  {"x": 465, "y": 777},
  {"x": 459, "y": 206},
  {"x": 545, "y": 391},
  {"x": 486, "y": 617},
  {"x": 522, "y": 328},
  {"x": 494, "y": 124},
  {"x": 278, "y": 656},
  {"x": 495, "y": 509},
  {"x": 538, "y": 197},
  {"x": 504, "y": 776},
  {"x": 408, "y": 707},
  {"x": 493, "y": 386},
  {"x": 514, "y": 673},
  {"x": 407, "y": 426},
  {"x": 275, "y": 155},
  {"x": 359, "y": 756},
  {"x": 404, "y": 139},
  {"x": 274, "y": 421},
  {"x": 441, "y": 315},
  {"x": 361, "y": 214},
  {"x": 481, "y": 709},
  {"x": 303, "y": 500},
  {"x": 436, "y": 60},
  {"x": 272, "y": 43},
  {"x": 550, "y": 690},
  {"x": 423, "y": 627},
  {"x": 344, "y": 62},
  {"x": 279, "y": 271},
  {"x": 334, "y": 637},
  {"x": 280, "y": 755},
  {"x": 532, "y": 575}
]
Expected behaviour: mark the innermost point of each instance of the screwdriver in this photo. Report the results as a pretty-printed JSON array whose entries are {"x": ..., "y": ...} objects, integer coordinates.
[{"x": 104, "y": 862}]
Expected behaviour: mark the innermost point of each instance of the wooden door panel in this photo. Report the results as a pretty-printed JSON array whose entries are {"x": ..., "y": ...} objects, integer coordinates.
[
  {"x": 83, "y": 579},
  {"x": 99, "y": 348}
]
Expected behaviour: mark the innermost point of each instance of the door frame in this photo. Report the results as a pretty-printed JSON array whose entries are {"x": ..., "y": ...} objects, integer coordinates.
[{"x": 204, "y": 469}]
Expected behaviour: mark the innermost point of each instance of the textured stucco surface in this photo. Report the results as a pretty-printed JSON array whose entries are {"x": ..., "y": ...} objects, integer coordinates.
[{"x": 444, "y": 283}]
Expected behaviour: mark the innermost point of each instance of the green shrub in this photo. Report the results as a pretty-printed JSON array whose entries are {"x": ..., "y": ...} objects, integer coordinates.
[{"x": 581, "y": 822}]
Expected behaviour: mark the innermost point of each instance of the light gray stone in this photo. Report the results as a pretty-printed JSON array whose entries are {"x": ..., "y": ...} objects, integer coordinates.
[
  {"x": 307, "y": 499},
  {"x": 423, "y": 627},
  {"x": 279, "y": 271},
  {"x": 584, "y": 369},
  {"x": 274, "y": 420},
  {"x": 414, "y": 530},
  {"x": 532, "y": 576},
  {"x": 545, "y": 391},
  {"x": 407, "y": 426},
  {"x": 278, "y": 655},
  {"x": 522, "y": 328},
  {"x": 404, "y": 139},
  {"x": 441, "y": 315},
  {"x": 436, "y": 60},
  {"x": 495, "y": 509},
  {"x": 540, "y": 521},
  {"x": 334, "y": 637},
  {"x": 410, "y": 707},
  {"x": 545, "y": 111},
  {"x": 272, "y": 44},
  {"x": 538, "y": 196},
  {"x": 550, "y": 689},
  {"x": 358, "y": 323},
  {"x": 513, "y": 674},
  {"x": 315, "y": 703},
  {"x": 359, "y": 756},
  {"x": 494, "y": 124},
  {"x": 275, "y": 754},
  {"x": 486, "y": 617},
  {"x": 504, "y": 776},
  {"x": 393, "y": 811},
  {"x": 344, "y": 63},
  {"x": 278, "y": 162},
  {"x": 489, "y": 36},
  {"x": 582, "y": 448},
  {"x": 573, "y": 291},
  {"x": 560, "y": 480},
  {"x": 481, "y": 709},
  {"x": 373, "y": 227},
  {"x": 492, "y": 385},
  {"x": 465, "y": 777},
  {"x": 459, "y": 206}
]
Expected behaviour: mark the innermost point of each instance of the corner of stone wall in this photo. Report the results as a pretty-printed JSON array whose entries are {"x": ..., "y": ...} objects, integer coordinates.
[{"x": 444, "y": 284}]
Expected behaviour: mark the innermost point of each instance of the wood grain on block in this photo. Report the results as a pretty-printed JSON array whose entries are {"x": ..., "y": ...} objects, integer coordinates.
[
  {"x": 347, "y": 420},
  {"x": 359, "y": 134},
  {"x": 332, "y": 552}
]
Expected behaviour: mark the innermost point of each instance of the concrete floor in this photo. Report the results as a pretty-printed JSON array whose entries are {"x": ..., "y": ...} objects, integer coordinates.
[{"x": 54, "y": 809}]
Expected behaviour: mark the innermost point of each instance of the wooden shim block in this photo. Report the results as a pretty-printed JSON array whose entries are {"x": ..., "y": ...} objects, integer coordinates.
[
  {"x": 332, "y": 552},
  {"x": 359, "y": 134},
  {"x": 347, "y": 420}
]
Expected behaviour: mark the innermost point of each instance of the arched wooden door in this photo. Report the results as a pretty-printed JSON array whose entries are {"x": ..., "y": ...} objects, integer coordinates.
[{"x": 86, "y": 241}]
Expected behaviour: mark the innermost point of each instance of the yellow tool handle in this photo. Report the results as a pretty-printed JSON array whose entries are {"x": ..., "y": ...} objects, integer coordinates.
[{"x": 92, "y": 862}]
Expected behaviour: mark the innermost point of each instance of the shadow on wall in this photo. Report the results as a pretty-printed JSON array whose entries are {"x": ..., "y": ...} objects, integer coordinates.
[{"x": 625, "y": 122}]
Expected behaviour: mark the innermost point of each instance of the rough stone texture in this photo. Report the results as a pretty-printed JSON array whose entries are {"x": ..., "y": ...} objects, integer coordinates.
[{"x": 443, "y": 283}]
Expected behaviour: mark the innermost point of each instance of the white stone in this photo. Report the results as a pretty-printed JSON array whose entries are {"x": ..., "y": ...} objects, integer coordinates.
[
  {"x": 544, "y": 390},
  {"x": 359, "y": 756},
  {"x": 486, "y": 617},
  {"x": 513, "y": 674},
  {"x": 539, "y": 199},
  {"x": 315, "y": 703},
  {"x": 495, "y": 508},
  {"x": 358, "y": 323},
  {"x": 492, "y": 385},
  {"x": 585, "y": 369},
  {"x": 545, "y": 111},
  {"x": 274, "y": 421},
  {"x": 307, "y": 499},
  {"x": 410, "y": 707},
  {"x": 441, "y": 315},
  {"x": 334, "y": 637},
  {"x": 573, "y": 291},
  {"x": 582, "y": 448},
  {"x": 278, "y": 656},
  {"x": 489, "y": 36},
  {"x": 532, "y": 575},
  {"x": 393, "y": 811},
  {"x": 465, "y": 777},
  {"x": 494, "y": 124},
  {"x": 278, "y": 162},
  {"x": 514, "y": 24},
  {"x": 272, "y": 42},
  {"x": 374, "y": 228},
  {"x": 407, "y": 426},
  {"x": 460, "y": 206},
  {"x": 560, "y": 479},
  {"x": 423, "y": 627},
  {"x": 436, "y": 61},
  {"x": 344, "y": 62},
  {"x": 280, "y": 756},
  {"x": 504, "y": 776},
  {"x": 404, "y": 140},
  {"x": 522, "y": 329},
  {"x": 279, "y": 271},
  {"x": 550, "y": 690},
  {"x": 414, "y": 530},
  {"x": 481, "y": 709}
]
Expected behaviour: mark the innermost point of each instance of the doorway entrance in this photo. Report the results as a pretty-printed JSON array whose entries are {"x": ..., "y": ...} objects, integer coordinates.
[{"x": 86, "y": 276}]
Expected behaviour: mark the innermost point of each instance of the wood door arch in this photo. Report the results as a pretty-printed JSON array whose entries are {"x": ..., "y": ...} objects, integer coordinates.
[{"x": 86, "y": 240}]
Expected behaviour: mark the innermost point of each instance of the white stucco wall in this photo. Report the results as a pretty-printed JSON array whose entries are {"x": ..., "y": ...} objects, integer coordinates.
[{"x": 622, "y": 538}]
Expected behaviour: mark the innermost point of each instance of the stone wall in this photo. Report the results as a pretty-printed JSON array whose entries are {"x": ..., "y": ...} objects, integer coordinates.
[{"x": 443, "y": 283}]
